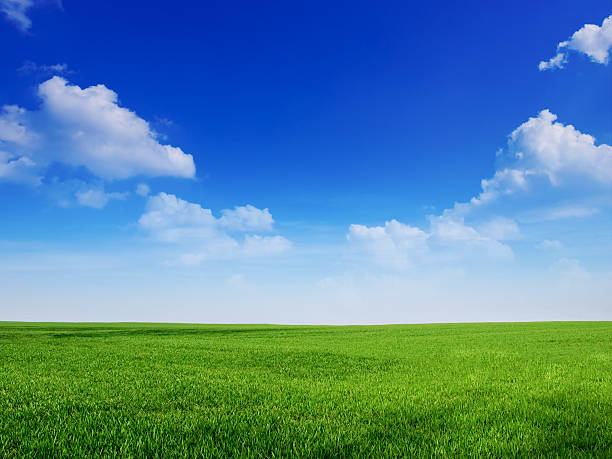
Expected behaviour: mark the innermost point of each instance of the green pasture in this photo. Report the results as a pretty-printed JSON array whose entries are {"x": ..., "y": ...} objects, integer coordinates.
[{"x": 170, "y": 390}]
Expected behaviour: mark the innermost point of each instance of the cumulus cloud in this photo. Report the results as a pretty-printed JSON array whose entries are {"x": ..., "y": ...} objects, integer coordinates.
[
  {"x": 12, "y": 126},
  {"x": 170, "y": 219},
  {"x": 543, "y": 148},
  {"x": 15, "y": 11},
  {"x": 545, "y": 160},
  {"x": 111, "y": 141},
  {"x": 97, "y": 197},
  {"x": 593, "y": 40},
  {"x": 88, "y": 128},
  {"x": 247, "y": 218},
  {"x": 504, "y": 182}
]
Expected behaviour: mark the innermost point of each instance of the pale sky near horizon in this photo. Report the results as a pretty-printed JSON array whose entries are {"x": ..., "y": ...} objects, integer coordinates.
[{"x": 328, "y": 162}]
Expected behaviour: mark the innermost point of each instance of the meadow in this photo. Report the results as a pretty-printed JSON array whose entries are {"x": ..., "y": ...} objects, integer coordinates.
[{"x": 170, "y": 390}]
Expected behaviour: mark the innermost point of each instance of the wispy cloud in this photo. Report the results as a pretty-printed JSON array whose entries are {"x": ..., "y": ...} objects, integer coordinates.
[
  {"x": 30, "y": 67},
  {"x": 16, "y": 12},
  {"x": 547, "y": 244},
  {"x": 97, "y": 197}
]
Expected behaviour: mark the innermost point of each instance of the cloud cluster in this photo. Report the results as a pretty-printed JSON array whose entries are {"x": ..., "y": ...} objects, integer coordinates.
[
  {"x": 544, "y": 159},
  {"x": 173, "y": 220},
  {"x": 591, "y": 39},
  {"x": 247, "y": 218},
  {"x": 400, "y": 246},
  {"x": 88, "y": 128},
  {"x": 12, "y": 127}
]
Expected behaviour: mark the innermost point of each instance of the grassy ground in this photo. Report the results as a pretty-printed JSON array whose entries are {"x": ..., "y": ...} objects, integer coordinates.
[{"x": 176, "y": 390}]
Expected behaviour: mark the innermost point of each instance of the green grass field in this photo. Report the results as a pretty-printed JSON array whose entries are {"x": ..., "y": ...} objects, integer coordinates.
[{"x": 511, "y": 389}]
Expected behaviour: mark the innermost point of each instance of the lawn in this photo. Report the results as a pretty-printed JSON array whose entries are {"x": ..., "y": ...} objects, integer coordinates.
[{"x": 165, "y": 390}]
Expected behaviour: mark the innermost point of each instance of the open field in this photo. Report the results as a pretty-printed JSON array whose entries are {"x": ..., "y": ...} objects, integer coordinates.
[{"x": 174, "y": 390}]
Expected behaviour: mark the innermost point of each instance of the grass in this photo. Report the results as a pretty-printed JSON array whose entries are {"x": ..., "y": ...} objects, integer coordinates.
[{"x": 165, "y": 390}]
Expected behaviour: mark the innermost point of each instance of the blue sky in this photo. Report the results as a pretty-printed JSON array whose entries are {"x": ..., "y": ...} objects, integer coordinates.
[{"x": 314, "y": 163}]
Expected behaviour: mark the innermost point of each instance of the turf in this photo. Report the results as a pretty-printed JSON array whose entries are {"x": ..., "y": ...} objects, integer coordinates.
[{"x": 162, "y": 390}]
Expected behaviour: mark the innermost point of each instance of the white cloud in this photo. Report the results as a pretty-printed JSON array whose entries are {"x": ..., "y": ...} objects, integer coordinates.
[
  {"x": 87, "y": 127},
  {"x": 542, "y": 148},
  {"x": 594, "y": 41},
  {"x": 503, "y": 182},
  {"x": 394, "y": 245},
  {"x": 187, "y": 259},
  {"x": 111, "y": 141},
  {"x": 16, "y": 166},
  {"x": 19, "y": 170},
  {"x": 174, "y": 220},
  {"x": 545, "y": 160},
  {"x": 142, "y": 189},
  {"x": 399, "y": 246},
  {"x": 15, "y": 11},
  {"x": 458, "y": 240},
  {"x": 97, "y": 198},
  {"x": 591, "y": 39},
  {"x": 557, "y": 61},
  {"x": 550, "y": 244},
  {"x": 12, "y": 125},
  {"x": 247, "y": 218},
  {"x": 542, "y": 145}
]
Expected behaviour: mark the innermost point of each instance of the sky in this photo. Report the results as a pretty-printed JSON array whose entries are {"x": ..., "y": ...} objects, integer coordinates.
[{"x": 309, "y": 163}]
